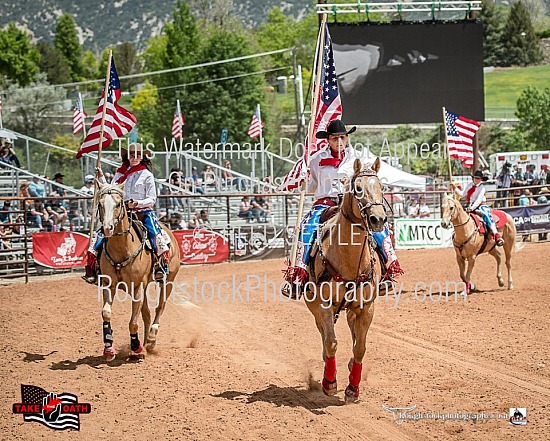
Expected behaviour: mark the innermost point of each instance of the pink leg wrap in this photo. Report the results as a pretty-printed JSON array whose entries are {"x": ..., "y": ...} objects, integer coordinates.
[
  {"x": 355, "y": 374},
  {"x": 330, "y": 369}
]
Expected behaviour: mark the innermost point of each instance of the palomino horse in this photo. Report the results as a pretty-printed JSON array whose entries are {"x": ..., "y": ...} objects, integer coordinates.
[
  {"x": 344, "y": 273},
  {"x": 469, "y": 242},
  {"x": 126, "y": 263}
]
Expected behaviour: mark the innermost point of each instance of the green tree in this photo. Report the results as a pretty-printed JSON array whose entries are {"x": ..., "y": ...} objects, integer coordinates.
[
  {"x": 127, "y": 63},
  {"x": 18, "y": 58},
  {"x": 66, "y": 40},
  {"x": 533, "y": 111},
  {"x": 519, "y": 39},
  {"x": 32, "y": 106},
  {"x": 492, "y": 19},
  {"x": 89, "y": 63},
  {"x": 53, "y": 63}
]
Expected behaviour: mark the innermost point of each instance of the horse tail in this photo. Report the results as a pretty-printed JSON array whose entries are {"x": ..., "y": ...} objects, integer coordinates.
[{"x": 518, "y": 246}]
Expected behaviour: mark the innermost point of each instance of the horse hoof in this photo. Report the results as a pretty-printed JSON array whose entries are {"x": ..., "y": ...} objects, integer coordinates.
[
  {"x": 352, "y": 394},
  {"x": 109, "y": 353},
  {"x": 139, "y": 349},
  {"x": 150, "y": 344},
  {"x": 329, "y": 388},
  {"x": 501, "y": 283}
]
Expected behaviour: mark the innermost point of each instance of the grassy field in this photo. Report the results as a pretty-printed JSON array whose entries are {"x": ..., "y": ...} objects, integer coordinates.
[{"x": 503, "y": 88}]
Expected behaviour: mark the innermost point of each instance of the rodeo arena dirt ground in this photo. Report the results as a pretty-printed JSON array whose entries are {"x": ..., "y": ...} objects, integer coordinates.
[{"x": 250, "y": 368}]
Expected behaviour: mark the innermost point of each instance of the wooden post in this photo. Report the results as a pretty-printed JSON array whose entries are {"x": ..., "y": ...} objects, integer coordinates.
[
  {"x": 476, "y": 153},
  {"x": 311, "y": 127},
  {"x": 98, "y": 162}
]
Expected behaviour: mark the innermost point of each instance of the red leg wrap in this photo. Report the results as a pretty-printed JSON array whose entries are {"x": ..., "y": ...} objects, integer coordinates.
[
  {"x": 296, "y": 275},
  {"x": 330, "y": 369},
  {"x": 355, "y": 374},
  {"x": 90, "y": 259}
]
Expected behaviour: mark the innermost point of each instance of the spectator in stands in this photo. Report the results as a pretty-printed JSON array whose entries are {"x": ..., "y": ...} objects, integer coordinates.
[
  {"x": 4, "y": 242},
  {"x": 36, "y": 188},
  {"x": 6, "y": 216},
  {"x": 208, "y": 177},
  {"x": 230, "y": 180},
  {"x": 88, "y": 187},
  {"x": 423, "y": 209},
  {"x": 544, "y": 177},
  {"x": 530, "y": 177},
  {"x": 525, "y": 198},
  {"x": 8, "y": 154},
  {"x": 175, "y": 180},
  {"x": 195, "y": 221},
  {"x": 176, "y": 221},
  {"x": 56, "y": 189},
  {"x": 504, "y": 180},
  {"x": 246, "y": 209},
  {"x": 197, "y": 187},
  {"x": 204, "y": 220},
  {"x": 543, "y": 199},
  {"x": 108, "y": 177},
  {"x": 261, "y": 208},
  {"x": 57, "y": 214},
  {"x": 413, "y": 210}
]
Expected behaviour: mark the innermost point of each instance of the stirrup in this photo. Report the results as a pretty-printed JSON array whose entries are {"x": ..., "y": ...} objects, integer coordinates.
[
  {"x": 293, "y": 291},
  {"x": 498, "y": 239},
  {"x": 92, "y": 280}
]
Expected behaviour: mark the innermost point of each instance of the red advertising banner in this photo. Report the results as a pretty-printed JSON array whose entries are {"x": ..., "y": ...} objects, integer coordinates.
[
  {"x": 60, "y": 250},
  {"x": 202, "y": 246}
]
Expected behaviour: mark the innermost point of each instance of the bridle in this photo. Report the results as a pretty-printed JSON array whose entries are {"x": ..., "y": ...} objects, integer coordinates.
[
  {"x": 364, "y": 200},
  {"x": 121, "y": 212}
]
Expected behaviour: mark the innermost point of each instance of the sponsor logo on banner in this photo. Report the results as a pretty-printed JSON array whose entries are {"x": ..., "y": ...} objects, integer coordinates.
[
  {"x": 532, "y": 217},
  {"x": 202, "y": 245},
  {"x": 56, "y": 411},
  {"x": 60, "y": 250},
  {"x": 421, "y": 233}
]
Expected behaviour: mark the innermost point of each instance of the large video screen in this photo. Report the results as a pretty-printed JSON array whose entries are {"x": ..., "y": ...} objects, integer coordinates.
[{"x": 405, "y": 73}]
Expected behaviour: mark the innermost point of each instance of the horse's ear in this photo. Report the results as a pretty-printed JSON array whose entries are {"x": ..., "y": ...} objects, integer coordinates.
[
  {"x": 121, "y": 186},
  {"x": 376, "y": 165},
  {"x": 357, "y": 166}
]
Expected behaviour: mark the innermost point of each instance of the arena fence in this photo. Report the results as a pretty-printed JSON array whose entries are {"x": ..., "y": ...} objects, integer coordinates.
[{"x": 228, "y": 237}]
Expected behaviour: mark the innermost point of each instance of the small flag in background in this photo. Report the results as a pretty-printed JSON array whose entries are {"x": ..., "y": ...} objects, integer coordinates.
[
  {"x": 256, "y": 125},
  {"x": 118, "y": 121},
  {"x": 78, "y": 116},
  {"x": 460, "y": 135},
  {"x": 178, "y": 123}
]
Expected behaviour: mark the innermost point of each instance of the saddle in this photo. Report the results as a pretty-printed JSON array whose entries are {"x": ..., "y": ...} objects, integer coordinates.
[{"x": 499, "y": 217}]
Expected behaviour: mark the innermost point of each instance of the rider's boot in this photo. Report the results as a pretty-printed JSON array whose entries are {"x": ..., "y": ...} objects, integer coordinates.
[
  {"x": 91, "y": 269},
  {"x": 161, "y": 266},
  {"x": 498, "y": 238}
]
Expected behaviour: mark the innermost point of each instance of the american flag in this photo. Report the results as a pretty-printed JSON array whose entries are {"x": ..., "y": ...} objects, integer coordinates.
[
  {"x": 256, "y": 125},
  {"x": 178, "y": 123},
  {"x": 329, "y": 107},
  {"x": 36, "y": 395},
  {"x": 460, "y": 135},
  {"x": 78, "y": 116},
  {"x": 118, "y": 121}
]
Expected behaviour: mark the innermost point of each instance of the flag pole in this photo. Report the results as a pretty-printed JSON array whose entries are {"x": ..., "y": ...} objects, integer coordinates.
[
  {"x": 83, "y": 115},
  {"x": 447, "y": 148},
  {"x": 98, "y": 162},
  {"x": 311, "y": 128},
  {"x": 261, "y": 142}
]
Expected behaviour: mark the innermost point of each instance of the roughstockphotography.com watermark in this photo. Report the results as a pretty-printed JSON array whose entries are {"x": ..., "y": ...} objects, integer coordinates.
[
  {"x": 402, "y": 414},
  {"x": 261, "y": 287}
]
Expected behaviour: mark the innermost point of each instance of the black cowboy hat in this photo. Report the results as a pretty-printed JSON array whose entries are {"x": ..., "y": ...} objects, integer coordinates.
[
  {"x": 59, "y": 175},
  {"x": 479, "y": 174},
  {"x": 336, "y": 127}
]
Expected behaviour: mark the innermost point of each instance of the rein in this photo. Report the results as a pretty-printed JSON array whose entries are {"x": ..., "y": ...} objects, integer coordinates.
[
  {"x": 469, "y": 238},
  {"x": 123, "y": 212}
]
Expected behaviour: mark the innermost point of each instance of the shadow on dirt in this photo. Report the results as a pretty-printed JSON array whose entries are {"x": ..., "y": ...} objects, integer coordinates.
[
  {"x": 30, "y": 357},
  {"x": 95, "y": 361},
  {"x": 310, "y": 400}
]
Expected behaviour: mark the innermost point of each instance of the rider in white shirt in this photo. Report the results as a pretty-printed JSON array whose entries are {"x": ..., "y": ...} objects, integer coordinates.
[
  {"x": 328, "y": 167},
  {"x": 475, "y": 196},
  {"x": 140, "y": 195}
]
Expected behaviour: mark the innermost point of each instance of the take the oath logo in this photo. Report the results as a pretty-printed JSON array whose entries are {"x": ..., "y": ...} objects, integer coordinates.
[{"x": 56, "y": 411}]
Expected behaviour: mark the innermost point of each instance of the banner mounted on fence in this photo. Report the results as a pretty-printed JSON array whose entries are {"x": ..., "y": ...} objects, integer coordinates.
[
  {"x": 530, "y": 217},
  {"x": 201, "y": 245},
  {"x": 259, "y": 242},
  {"x": 59, "y": 250},
  {"x": 422, "y": 233}
]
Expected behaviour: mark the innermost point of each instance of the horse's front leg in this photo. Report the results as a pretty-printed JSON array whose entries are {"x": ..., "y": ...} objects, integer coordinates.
[
  {"x": 462, "y": 268},
  {"x": 470, "y": 286},
  {"x": 136, "y": 347},
  {"x": 363, "y": 319},
  {"x": 495, "y": 252},
  {"x": 109, "y": 350}
]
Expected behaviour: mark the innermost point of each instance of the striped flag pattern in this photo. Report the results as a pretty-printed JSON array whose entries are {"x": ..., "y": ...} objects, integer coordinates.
[
  {"x": 329, "y": 108},
  {"x": 178, "y": 123},
  {"x": 460, "y": 136},
  {"x": 256, "y": 125},
  {"x": 118, "y": 120},
  {"x": 78, "y": 116},
  {"x": 37, "y": 395}
]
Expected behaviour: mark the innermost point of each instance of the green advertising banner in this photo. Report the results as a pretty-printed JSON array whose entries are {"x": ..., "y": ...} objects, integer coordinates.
[{"x": 422, "y": 233}]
